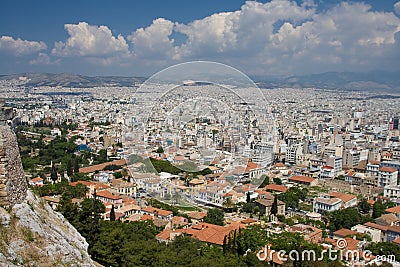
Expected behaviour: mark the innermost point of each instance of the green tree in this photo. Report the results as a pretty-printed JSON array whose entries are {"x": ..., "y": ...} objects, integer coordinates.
[
  {"x": 248, "y": 207},
  {"x": 363, "y": 206},
  {"x": 248, "y": 197},
  {"x": 67, "y": 208},
  {"x": 70, "y": 170},
  {"x": 160, "y": 150},
  {"x": 265, "y": 181},
  {"x": 277, "y": 181},
  {"x": 274, "y": 208},
  {"x": 293, "y": 196},
  {"x": 253, "y": 238},
  {"x": 112, "y": 214},
  {"x": 76, "y": 166},
  {"x": 344, "y": 218},
  {"x": 215, "y": 216},
  {"x": 378, "y": 209},
  {"x": 385, "y": 248},
  {"x": 228, "y": 204},
  {"x": 53, "y": 174}
]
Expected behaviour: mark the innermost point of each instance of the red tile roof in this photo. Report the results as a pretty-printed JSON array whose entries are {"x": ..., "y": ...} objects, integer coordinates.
[
  {"x": 376, "y": 226},
  {"x": 344, "y": 232},
  {"x": 101, "y": 166},
  {"x": 209, "y": 233},
  {"x": 276, "y": 187},
  {"x": 107, "y": 194},
  {"x": 303, "y": 179},
  {"x": 36, "y": 180},
  {"x": 397, "y": 241},
  {"x": 394, "y": 228},
  {"x": 342, "y": 196},
  {"x": 394, "y": 210},
  {"x": 251, "y": 166},
  {"x": 387, "y": 169},
  {"x": 146, "y": 217},
  {"x": 197, "y": 215}
]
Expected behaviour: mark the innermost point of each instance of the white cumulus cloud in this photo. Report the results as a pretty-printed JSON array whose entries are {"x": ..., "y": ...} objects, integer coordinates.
[
  {"x": 397, "y": 8},
  {"x": 277, "y": 37},
  {"x": 43, "y": 59},
  {"x": 153, "y": 42},
  {"x": 90, "y": 40},
  {"x": 20, "y": 47}
]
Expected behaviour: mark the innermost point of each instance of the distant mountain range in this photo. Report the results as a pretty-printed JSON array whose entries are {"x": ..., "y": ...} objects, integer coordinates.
[
  {"x": 74, "y": 80},
  {"x": 378, "y": 81}
]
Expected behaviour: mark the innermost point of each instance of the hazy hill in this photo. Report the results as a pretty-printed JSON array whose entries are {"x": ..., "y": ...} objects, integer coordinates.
[
  {"x": 74, "y": 80},
  {"x": 368, "y": 81}
]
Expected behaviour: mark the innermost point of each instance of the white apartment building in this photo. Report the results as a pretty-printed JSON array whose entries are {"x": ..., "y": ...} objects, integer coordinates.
[
  {"x": 322, "y": 204},
  {"x": 387, "y": 177},
  {"x": 391, "y": 191}
]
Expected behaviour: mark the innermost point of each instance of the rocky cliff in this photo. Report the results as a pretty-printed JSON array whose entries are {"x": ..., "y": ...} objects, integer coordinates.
[{"x": 31, "y": 233}]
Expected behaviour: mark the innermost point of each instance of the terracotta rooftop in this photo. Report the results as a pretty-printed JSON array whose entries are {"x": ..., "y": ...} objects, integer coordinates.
[
  {"x": 146, "y": 217},
  {"x": 107, "y": 194},
  {"x": 397, "y": 241},
  {"x": 387, "y": 169},
  {"x": 197, "y": 215},
  {"x": 394, "y": 210},
  {"x": 209, "y": 233},
  {"x": 342, "y": 196},
  {"x": 276, "y": 187},
  {"x": 37, "y": 179},
  {"x": 101, "y": 166},
  {"x": 344, "y": 232},
  {"x": 376, "y": 226},
  {"x": 303, "y": 179},
  {"x": 251, "y": 166},
  {"x": 394, "y": 228}
]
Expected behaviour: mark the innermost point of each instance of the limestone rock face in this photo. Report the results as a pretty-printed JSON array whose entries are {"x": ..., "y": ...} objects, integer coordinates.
[
  {"x": 32, "y": 234},
  {"x": 13, "y": 184}
]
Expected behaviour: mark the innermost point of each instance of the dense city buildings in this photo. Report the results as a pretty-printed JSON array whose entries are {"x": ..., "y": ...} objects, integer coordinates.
[{"x": 269, "y": 161}]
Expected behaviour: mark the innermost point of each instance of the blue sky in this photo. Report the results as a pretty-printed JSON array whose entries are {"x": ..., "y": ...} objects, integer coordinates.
[{"x": 278, "y": 37}]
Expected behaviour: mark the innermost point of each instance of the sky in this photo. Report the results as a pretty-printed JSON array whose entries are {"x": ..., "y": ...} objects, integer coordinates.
[{"x": 140, "y": 38}]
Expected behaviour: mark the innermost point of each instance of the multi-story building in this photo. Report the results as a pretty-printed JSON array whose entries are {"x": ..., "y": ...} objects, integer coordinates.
[
  {"x": 293, "y": 152},
  {"x": 391, "y": 191},
  {"x": 387, "y": 176},
  {"x": 351, "y": 158},
  {"x": 336, "y": 163},
  {"x": 373, "y": 168},
  {"x": 326, "y": 204}
]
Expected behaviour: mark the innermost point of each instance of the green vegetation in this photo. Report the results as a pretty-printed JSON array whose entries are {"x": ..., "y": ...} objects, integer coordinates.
[
  {"x": 62, "y": 188},
  {"x": 265, "y": 181},
  {"x": 37, "y": 155},
  {"x": 277, "y": 181},
  {"x": 166, "y": 166},
  {"x": 385, "y": 248},
  {"x": 113, "y": 243},
  {"x": 215, "y": 216},
  {"x": 363, "y": 206},
  {"x": 293, "y": 196},
  {"x": 378, "y": 209},
  {"x": 345, "y": 218}
]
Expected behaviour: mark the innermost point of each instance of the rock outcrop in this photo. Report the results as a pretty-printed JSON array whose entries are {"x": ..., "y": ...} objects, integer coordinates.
[
  {"x": 13, "y": 184},
  {"x": 31, "y": 232}
]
